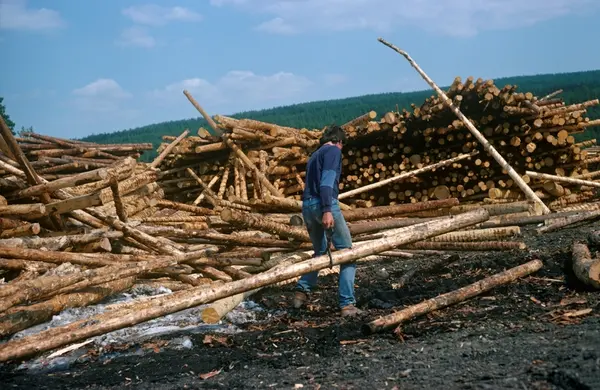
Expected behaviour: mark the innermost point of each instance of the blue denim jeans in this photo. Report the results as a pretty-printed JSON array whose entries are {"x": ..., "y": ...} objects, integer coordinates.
[{"x": 341, "y": 239}]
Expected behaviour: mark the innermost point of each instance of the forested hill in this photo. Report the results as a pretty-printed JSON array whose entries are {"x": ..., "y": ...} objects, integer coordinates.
[{"x": 577, "y": 86}]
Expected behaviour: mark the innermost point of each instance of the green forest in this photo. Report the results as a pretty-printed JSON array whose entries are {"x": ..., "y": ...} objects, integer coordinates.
[{"x": 576, "y": 86}]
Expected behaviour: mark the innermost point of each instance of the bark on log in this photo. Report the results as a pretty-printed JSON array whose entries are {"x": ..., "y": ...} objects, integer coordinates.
[
  {"x": 468, "y": 246},
  {"x": 586, "y": 268},
  {"x": 451, "y": 298},
  {"x": 103, "y": 323},
  {"x": 395, "y": 210}
]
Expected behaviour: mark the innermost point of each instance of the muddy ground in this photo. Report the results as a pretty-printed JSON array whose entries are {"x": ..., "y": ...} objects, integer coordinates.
[{"x": 531, "y": 334}]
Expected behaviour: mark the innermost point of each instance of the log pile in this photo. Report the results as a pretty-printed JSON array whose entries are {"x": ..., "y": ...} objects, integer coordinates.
[
  {"x": 534, "y": 135},
  {"x": 215, "y": 217}
]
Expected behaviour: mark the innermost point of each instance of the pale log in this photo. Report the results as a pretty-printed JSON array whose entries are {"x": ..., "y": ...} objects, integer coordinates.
[
  {"x": 25, "y": 211},
  {"x": 159, "y": 159},
  {"x": 19, "y": 318},
  {"x": 28, "y": 229},
  {"x": 117, "y": 199},
  {"x": 451, "y": 298},
  {"x": 69, "y": 181},
  {"x": 569, "y": 220},
  {"x": 563, "y": 179},
  {"x": 207, "y": 117}
]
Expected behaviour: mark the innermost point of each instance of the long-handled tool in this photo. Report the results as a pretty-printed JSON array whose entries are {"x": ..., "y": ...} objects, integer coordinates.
[{"x": 329, "y": 233}]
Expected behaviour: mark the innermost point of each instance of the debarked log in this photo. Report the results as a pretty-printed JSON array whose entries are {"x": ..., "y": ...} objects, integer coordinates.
[
  {"x": 181, "y": 300},
  {"x": 19, "y": 318},
  {"x": 451, "y": 298}
]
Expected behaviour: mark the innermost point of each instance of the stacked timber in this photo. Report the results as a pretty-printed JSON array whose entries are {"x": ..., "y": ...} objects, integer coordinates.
[
  {"x": 215, "y": 218},
  {"x": 533, "y": 135}
]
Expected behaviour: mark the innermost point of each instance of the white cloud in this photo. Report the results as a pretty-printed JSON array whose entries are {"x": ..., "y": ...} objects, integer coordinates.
[
  {"x": 455, "y": 18},
  {"x": 14, "y": 15},
  {"x": 136, "y": 36},
  {"x": 277, "y": 26},
  {"x": 102, "y": 95},
  {"x": 238, "y": 90},
  {"x": 155, "y": 15}
]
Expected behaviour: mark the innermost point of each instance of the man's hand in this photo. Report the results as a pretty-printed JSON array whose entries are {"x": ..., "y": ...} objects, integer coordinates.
[{"x": 328, "y": 220}]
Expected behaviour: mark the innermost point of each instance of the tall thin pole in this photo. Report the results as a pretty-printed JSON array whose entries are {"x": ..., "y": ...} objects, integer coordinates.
[{"x": 486, "y": 145}]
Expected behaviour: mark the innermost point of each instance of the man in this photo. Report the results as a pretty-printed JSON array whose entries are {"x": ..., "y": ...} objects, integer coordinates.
[{"x": 321, "y": 211}]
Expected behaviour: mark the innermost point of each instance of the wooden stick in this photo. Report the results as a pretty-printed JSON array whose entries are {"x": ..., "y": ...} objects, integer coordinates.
[
  {"x": 569, "y": 220},
  {"x": 168, "y": 149},
  {"x": 451, "y": 298},
  {"x": 181, "y": 300},
  {"x": 117, "y": 199},
  {"x": 207, "y": 117},
  {"x": 482, "y": 140},
  {"x": 563, "y": 179}
]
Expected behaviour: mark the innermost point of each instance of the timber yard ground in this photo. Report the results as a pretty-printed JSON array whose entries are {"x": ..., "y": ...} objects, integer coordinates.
[{"x": 526, "y": 335}]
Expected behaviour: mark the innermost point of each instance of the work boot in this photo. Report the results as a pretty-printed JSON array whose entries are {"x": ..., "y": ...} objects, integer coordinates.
[
  {"x": 350, "y": 310},
  {"x": 299, "y": 300}
]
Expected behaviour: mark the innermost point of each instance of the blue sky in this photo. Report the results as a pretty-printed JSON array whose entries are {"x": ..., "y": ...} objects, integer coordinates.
[{"x": 72, "y": 68}]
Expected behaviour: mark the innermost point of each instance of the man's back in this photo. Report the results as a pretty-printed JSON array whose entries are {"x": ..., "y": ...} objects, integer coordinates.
[{"x": 323, "y": 174}]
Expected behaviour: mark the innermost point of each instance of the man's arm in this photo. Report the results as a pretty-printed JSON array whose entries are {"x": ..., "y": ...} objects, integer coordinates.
[{"x": 331, "y": 161}]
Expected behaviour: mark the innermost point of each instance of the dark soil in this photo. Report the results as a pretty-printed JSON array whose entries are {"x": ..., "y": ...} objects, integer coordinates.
[{"x": 520, "y": 336}]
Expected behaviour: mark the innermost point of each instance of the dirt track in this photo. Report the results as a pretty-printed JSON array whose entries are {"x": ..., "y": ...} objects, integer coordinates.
[{"x": 513, "y": 337}]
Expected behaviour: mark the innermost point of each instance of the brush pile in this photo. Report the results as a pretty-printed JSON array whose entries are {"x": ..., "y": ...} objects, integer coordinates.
[{"x": 214, "y": 218}]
